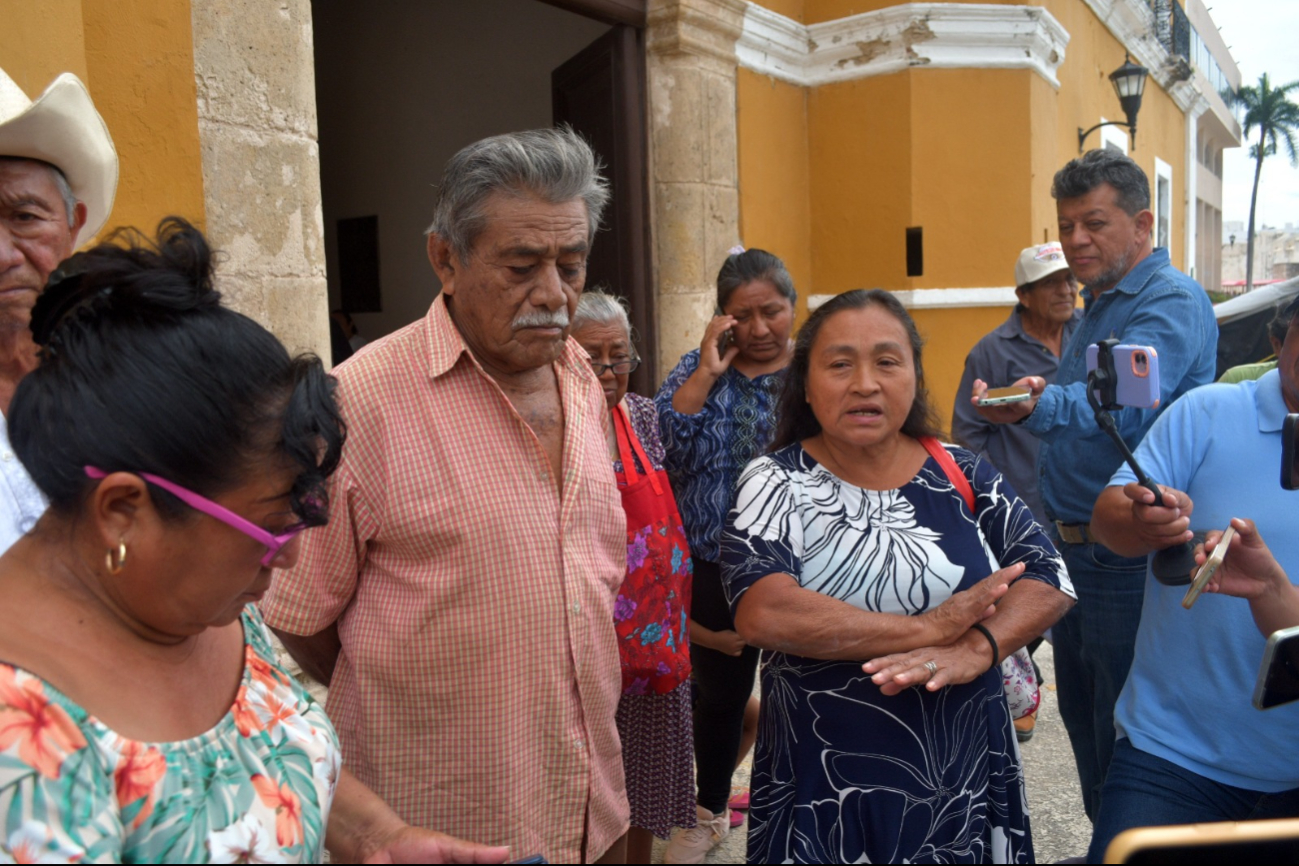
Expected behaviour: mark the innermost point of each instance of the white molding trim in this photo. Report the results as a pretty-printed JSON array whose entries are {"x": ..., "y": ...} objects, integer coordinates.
[
  {"x": 1132, "y": 23},
  {"x": 934, "y": 299},
  {"x": 937, "y": 35}
]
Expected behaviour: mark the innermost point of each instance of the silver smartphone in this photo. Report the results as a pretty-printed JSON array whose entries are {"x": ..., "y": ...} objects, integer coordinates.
[
  {"x": 1278, "y": 678},
  {"x": 1209, "y": 569},
  {"x": 1002, "y": 396}
]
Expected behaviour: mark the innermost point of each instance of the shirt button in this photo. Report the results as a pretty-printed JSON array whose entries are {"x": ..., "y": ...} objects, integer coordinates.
[
  {"x": 7, "y": 456},
  {"x": 579, "y": 743},
  {"x": 577, "y": 608}
]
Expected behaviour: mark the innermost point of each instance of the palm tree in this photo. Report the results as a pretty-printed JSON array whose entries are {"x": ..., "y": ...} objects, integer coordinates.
[{"x": 1277, "y": 118}]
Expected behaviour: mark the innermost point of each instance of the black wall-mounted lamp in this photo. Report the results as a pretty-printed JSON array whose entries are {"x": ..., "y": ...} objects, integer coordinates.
[{"x": 1129, "y": 82}]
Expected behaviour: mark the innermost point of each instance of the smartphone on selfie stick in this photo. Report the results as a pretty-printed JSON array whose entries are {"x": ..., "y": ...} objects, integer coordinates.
[{"x": 1134, "y": 383}]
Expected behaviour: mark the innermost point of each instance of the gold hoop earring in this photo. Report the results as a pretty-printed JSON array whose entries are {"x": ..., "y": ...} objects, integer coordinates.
[{"x": 116, "y": 566}]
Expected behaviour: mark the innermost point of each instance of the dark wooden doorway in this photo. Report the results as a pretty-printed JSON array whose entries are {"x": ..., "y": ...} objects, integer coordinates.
[{"x": 600, "y": 92}]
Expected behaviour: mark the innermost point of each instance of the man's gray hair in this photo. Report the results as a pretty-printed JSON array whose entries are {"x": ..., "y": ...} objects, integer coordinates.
[
  {"x": 555, "y": 165},
  {"x": 600, "y": 307},
  {"x": 1104, "y": 165},
  {"x": 60, "y": 181}
]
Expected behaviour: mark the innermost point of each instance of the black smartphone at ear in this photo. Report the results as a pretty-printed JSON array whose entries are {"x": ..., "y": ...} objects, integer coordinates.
[
  {"x": 1290, "y": 453},
  {"x": 724, "y": 341}
]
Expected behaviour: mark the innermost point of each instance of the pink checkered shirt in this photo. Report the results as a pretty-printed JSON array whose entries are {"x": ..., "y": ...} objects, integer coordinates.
[{"x": 479, "y": 675}]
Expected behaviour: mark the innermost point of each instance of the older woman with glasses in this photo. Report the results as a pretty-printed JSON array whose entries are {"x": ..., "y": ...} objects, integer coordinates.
[
  {"x": 652, "y": 611},
  {"x": 143, "y": 713}
]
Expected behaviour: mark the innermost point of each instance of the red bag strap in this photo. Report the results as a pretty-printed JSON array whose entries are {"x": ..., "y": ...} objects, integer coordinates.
[
  {"x": 953, "y": 472},
  {"x": 627, "y": 440}
]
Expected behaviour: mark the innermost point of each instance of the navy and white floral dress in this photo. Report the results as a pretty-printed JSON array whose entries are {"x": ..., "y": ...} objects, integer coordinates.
[{"x": 843, "y": 773}]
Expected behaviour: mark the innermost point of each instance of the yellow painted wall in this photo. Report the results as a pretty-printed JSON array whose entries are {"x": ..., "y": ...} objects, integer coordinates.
[
  {"x": 968, "y": 155},
  {"x": 861, "y": 160},
  {"x": 1086, "y": 95},
  {"x": 775, "y": 206},
  {"x": 789, "y": 8},
  {"x": 949, "y": 335},
  {"x": 137, "y": 59},
  {"x": 40, "y": 40},
  {"x": 971, "y": 135},
  {"x": 816, "y": 11}
]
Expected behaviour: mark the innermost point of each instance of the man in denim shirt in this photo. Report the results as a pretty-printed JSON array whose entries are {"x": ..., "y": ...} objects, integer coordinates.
[{"x": 1135, "y": 294}]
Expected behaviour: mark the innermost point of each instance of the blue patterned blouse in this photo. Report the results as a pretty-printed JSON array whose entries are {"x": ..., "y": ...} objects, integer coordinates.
[{"x": 707, "y": 452}]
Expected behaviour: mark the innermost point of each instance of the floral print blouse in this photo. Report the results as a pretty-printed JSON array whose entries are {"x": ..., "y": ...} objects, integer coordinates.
[{"x": 255, "y": 789}]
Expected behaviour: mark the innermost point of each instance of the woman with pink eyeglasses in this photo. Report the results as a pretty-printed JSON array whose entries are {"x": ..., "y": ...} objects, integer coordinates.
[{"x": 143, "y": 713}]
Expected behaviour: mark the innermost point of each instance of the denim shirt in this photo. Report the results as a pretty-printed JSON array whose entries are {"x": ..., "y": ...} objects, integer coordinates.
[
  {"x": 1154, "y": 305},
  {"x": 1006, "y": 355},
  {"x": 707, "y": 451}
]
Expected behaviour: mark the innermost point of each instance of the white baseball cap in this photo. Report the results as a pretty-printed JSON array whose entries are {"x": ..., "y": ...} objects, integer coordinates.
[{"x": 1040, "y": 261}]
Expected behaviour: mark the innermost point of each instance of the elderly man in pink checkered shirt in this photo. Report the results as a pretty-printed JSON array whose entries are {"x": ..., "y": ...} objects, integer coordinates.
[{"x": 460, "y": 601}]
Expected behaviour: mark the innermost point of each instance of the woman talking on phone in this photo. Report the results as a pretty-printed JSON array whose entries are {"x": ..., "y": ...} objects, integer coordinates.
[{"x": 717, "y": 412}]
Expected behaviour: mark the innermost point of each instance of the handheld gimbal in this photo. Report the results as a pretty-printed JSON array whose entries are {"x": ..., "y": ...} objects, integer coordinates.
[{"x": 1171, "y": 566}]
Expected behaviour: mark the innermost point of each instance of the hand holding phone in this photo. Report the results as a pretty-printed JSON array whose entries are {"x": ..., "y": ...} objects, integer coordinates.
[
  {"x": 718, "y": 348},
  {"x": 1002, "y": 396},
  {"x": 1016, "y": 402},
  {"x": 1206, "y": 572}
]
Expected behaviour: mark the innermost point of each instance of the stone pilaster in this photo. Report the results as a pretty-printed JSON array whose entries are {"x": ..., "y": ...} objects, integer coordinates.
[
  {"x": 255, "y": 71},
  {"x": 694, "y": 176}
]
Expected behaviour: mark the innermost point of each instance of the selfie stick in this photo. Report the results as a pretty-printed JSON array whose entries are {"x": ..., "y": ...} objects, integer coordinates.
[{"x": 1171, "y": 566}]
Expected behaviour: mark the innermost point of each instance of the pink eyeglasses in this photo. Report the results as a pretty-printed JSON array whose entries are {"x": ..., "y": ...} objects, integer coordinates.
[{"x": 274, "y": 543}]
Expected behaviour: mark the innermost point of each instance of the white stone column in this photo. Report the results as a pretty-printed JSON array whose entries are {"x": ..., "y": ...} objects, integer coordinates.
[
  {"x": 693, "y": 170},
  {"x": 255, "y": 70}
]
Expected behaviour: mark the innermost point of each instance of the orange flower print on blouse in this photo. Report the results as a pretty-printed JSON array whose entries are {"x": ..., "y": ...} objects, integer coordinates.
[
  {"x": 43, "y": 731},
  {"x": 72, "y": 790},
  {"x": 288, "y": 810},
  {"x": 246, "y": 719},
  {"x": 263, "y": 671},
  {"x": 136, "y": 778}
]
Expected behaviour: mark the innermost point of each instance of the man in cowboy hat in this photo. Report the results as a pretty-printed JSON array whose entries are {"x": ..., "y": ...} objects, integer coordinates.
[{"x": 58, "y": 176}]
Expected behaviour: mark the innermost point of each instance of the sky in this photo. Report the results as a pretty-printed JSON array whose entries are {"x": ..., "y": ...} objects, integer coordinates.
[{"x": 1261, "y": 35}]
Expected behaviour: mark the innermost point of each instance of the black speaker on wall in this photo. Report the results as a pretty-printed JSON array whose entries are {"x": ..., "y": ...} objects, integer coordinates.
[{"x": 358, "y": 264}]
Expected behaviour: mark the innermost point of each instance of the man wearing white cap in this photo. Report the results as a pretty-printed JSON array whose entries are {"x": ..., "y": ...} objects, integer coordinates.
[
  {"x": 58, "y": 176},
  {"x": 1028, "y": 343}
]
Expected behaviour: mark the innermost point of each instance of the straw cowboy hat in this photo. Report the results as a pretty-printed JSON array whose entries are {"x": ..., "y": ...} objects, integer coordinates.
[{"x": 63, "y": 128}]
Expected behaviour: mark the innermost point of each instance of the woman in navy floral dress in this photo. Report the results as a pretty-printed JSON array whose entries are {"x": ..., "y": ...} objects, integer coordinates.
[{"x": 863, "y": 539}]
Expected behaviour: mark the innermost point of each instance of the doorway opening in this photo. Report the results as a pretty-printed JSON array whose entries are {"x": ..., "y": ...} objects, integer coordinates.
[{"x": 402, "y": 85}]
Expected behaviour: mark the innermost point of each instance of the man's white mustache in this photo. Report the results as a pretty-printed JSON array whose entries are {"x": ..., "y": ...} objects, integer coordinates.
[{"x": 557, "y": 319}]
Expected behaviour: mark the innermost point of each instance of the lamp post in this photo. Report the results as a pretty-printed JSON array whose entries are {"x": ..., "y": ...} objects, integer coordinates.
[{"x": 1129, "y": 82}]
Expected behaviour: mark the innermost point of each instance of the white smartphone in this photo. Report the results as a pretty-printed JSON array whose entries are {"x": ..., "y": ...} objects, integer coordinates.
[
  {"x": 1209, "y": 569},
  {"x": 1002, "y": 396}
]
